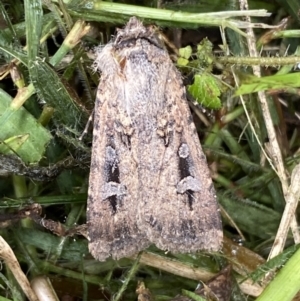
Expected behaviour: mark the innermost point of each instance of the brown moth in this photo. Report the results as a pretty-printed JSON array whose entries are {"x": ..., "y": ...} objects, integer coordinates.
[{"x": 149, "y": 180}]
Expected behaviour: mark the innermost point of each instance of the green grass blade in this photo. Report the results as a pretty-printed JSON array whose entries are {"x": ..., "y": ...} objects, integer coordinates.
[
  {"x": 50, "y": 88},
  {"x": 255, "y": 84},
  {"x": 286, "y": 284},
  {"x": 34, "y": 25}
]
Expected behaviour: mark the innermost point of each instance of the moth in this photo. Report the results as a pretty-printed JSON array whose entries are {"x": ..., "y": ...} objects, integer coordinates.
[{"x": 149, "y": 180}]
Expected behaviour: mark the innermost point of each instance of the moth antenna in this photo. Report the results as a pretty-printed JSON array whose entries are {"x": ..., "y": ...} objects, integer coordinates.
[{"x": 86, "y": 128}]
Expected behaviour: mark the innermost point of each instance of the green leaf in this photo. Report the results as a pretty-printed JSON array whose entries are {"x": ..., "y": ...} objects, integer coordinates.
[
  {"x": 12, "y": 144},
  {"x": 9, "y": 51},
  {"x": 273, "y": 264},
  {"x": 192, "y": 295},
  {"x": 34, "y": 25},
  {"x": 286, "y": 283},
  {"x": 255, "y": 84},
  {"x": 182, "y": 62},
  {"x": 206, "y": 91},
  {"x": 19, "y": 122},
  {"x": 186, "y": 52},
  {"x": 50, "y": 88},
  {"x": 205, "y": 53},
  {"x": 251, "y": 217}
]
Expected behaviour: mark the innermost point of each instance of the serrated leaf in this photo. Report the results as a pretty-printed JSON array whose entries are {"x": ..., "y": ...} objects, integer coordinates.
[
  {"x": 205, "y": 53},
  {"x": 206, "y": 91},
  {"x": 50, "y": 88}
]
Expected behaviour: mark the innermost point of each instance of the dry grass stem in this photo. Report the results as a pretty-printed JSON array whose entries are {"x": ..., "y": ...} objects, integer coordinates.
[
  {"x": 276, "y": 152},
  {"x": 7, "y": 254},
  {"x": 188, "y": 271}
]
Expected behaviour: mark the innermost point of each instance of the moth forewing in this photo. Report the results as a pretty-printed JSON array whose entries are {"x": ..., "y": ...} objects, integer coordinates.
[
  {"x": 111, "y": 210},
  {"x": 179, "y": 211},
  {"x": 149, "y": 180}
]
